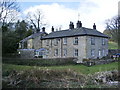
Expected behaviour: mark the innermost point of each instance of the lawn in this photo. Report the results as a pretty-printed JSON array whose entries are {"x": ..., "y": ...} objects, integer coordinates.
[{"x": 7, "y": 68}]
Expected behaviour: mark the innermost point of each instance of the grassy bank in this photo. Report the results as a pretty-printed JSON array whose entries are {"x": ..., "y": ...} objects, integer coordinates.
[
  {"x": 112, "y": 45},
  {"x": 7, "y": 68},
  {"x": 67, "y": 76}
]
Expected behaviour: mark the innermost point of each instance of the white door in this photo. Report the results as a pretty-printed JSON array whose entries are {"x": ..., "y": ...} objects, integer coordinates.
[{"x": 99, "y": 53}]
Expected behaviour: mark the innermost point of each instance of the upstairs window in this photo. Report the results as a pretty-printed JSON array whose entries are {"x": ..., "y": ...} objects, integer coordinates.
[
  {"x": 64, "y": 40},
  {"x": 92, "y": 40},
  {"x": 76, "y": 52},
  {"x": 75, "y": 41},
  {"x": 103, "y": 41},
  {"x": 56, "y": 42},
  {"x": 47, "y": 42}
]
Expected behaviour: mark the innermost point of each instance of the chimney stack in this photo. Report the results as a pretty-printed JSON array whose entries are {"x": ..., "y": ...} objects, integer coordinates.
[
  {"x": 52, "y": 29},
  {"x": 79, "y": 24},
  {"x": 94, "y": 26},
  {"x": 38, "y": 30},
  {"x": 43, "y": 29},
  {"x": 71, "y": 25}
]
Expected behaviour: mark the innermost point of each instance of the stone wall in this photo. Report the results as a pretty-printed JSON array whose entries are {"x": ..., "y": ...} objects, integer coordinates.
[
  {"x": 26, "y": 53},
  {"x": 113, "y": 51}
]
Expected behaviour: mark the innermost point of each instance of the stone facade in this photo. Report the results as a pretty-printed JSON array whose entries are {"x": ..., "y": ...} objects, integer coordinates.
[{"x": 84, "y": 47}]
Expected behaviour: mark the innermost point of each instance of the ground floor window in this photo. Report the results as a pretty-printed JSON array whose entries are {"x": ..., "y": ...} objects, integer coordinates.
[
  {"x": 56, "y": 52},
  {"x": 64, "y": 52},
  {"x": 75, "y": 52},
  {"x": 41, "y": 53},
  {"x": 93, "y": 52}
]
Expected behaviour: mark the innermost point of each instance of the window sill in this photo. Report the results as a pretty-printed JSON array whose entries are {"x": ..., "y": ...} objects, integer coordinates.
[
  {"x": 75, "y": 44},
  {"x": 64, "y": 44}
]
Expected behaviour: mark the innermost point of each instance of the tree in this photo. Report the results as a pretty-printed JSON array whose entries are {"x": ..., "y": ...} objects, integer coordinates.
[
  {"x": 9, "y": 40},
  {"x": 21, "y": 29},
  {"x": 113, "y": 26},
  {"x": 37, "y": 20},
  {"x": 8, "y": 9}
]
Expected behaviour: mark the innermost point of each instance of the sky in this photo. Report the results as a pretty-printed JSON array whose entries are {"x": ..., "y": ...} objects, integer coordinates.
[{"x": 60, "y": 13}]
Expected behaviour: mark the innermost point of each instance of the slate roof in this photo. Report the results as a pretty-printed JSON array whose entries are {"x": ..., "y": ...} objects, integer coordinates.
[
  {"x": 33, "y": 36},
  {"x": 75, "y": 32}
]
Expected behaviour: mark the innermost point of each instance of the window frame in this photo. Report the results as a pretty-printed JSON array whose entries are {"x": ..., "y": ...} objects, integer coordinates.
[
  {"x": 92, "y": 52},
  {"x": 64, "y": 52},
  {"x": 65, "y": 41},
  {"x": 56, "y": 52},
  {"x": 47, "y": 42},
  {"x": 75, "y": 41},
  {"x": 92, "y": 40},
  {"x": 103, "y": 41},
  {"x": 76, "y": 52},
  {"x": 56, "y": 42}
]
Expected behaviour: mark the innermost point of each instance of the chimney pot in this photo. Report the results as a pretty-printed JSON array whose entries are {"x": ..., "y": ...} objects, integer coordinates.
[
  {"x": 94, "y": 26},
  {"x": 52, "y": 29},
  {"x": 71, "y": 25},
  {"x": 43, "y": 29},
  {"x": 79, "y": 24}
]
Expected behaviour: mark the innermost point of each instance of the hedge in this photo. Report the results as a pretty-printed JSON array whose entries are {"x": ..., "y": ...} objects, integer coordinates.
[{"x": 39, "y": 62}]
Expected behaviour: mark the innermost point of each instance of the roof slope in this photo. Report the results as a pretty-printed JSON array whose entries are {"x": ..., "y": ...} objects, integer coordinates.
[
  {"x": 75, "y": 32},
  {"x": 33, "y": 36}
]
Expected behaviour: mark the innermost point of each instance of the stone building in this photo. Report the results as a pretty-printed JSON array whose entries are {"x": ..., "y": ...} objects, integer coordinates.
[{"x": 79, "y": 42}]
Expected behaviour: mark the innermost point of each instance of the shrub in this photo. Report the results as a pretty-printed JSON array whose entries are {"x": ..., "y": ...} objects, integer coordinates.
[{"x": 39, "y": 78}]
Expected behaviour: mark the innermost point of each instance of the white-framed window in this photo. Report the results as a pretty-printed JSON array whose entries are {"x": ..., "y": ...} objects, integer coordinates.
[
  {"x": 20, "y": 45},
  {"x": 36, "y": 53},
  {"x": 92, "y": 40},
  {"x": 103, "y": 52},
  {"x": 47, "y": 42},
  {"x": 93, "y": 52},
  {"x": 75, "y": 52},
  {"x": 56, "y": 52},
  {"x": 64, "y": 40},
  {"x": 103, "y": 41},
  {"x": 64, "y": 52},
  {"x": 56, "y": 42},
  {"x": 75, "y": 41}
]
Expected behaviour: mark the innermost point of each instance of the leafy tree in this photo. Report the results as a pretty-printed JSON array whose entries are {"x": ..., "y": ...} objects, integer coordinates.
[
  {"x": 10, "y": 38},
  {"x": 21, "y": 29}
]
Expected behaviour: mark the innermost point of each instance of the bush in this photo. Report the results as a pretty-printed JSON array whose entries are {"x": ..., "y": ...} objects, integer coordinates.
[{"x": 38, "y": 78}]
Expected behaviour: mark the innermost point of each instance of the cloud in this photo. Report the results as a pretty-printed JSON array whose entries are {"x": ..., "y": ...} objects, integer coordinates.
[{"x": 91, "y": 11}]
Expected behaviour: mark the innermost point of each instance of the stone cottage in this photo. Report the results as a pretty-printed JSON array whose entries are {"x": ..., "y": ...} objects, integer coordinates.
[{"x": 80, "y": 42}]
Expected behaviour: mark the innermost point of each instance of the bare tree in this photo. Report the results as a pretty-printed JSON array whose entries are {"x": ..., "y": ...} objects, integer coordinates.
[
  {"x": 113, "y": 26},
  {"x": 36, "y": 19},
  {"x": 7, "y": 10}
]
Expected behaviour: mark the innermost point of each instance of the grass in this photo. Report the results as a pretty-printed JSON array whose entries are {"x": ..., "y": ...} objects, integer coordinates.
[
  {"x": 7, "y": 68},
  {"x": 112, "y": 45}
]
